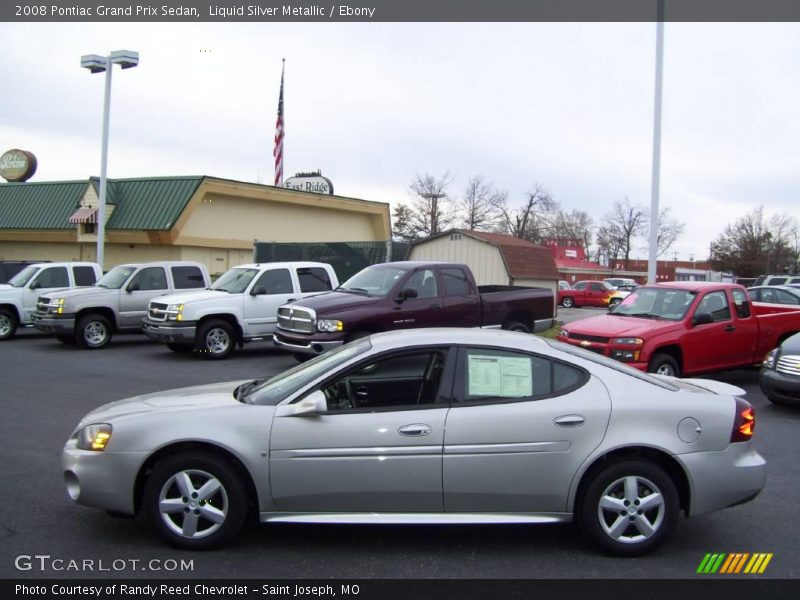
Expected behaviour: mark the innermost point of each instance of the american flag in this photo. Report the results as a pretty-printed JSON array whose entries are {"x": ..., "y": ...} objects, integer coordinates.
[{"x": 278, "y": 152}]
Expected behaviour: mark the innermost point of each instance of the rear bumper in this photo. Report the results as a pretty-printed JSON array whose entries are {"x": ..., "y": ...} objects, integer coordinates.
[
  {"x": 722, "y": 479},
  {"x": 304, "y": 346},
  {"x": 543, "y": 324},
  {"x": 170, "y": 333},
  {"x": 783, "y": 388},
  {"x": 52, "y": 324}
]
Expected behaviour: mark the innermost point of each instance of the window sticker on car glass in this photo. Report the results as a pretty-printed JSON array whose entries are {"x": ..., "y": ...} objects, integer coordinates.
[{"x": 499, "y": 376}]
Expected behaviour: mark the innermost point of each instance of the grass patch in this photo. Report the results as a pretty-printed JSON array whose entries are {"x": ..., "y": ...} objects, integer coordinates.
[{"x": 550, "y": 333}]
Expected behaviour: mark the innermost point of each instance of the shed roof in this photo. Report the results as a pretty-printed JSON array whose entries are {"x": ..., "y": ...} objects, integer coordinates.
[{"x": 39, "y": 205}]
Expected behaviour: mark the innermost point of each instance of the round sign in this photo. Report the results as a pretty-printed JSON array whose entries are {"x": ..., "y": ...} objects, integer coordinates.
[
  {"x": 310, "y": 182},
  {"x": 17, "y": 165}
]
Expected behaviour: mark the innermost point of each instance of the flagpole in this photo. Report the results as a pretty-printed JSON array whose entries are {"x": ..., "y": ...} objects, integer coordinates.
[{"x": 278, "y": 152}]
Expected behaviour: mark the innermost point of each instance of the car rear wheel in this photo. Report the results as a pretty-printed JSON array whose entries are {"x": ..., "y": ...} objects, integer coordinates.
[
  {"x": 664, "y": 364},
  {"x": 629, "y": 507},
  {"x": 196, "y": 501},
  {"x": 93, "y": 331},
  {"x": 8, "y": 324},
  {"x": 516, "y": 326},
  {"x": 567, "y": 302},
  {"x": 216, "y": 340}
]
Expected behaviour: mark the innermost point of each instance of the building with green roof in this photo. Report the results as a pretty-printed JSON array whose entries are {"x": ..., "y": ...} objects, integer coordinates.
[{"x": 206, "y": 219}]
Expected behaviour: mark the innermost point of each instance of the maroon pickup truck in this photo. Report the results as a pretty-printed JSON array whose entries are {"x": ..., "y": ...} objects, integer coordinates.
[{"x": 406, "y": 295}]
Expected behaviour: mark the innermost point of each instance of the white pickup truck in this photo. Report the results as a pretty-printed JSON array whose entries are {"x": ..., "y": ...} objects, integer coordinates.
[
  {"x": 117, "y": 302},
  {"x": 18, "y": 297},
  {"x": 241, "y": 306}
]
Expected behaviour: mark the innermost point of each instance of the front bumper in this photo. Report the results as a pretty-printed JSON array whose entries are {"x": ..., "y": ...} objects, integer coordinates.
[
  {"x": 58, "y": 324},
  {"x": 722, "y": 479},
  {"x": 101, "y": 479},
  {"x": 299, "y": 345},
  {"x": 170, "y": 332},
  {"x": 783, "y": 388},
  {"x": 607, "y": 350}
]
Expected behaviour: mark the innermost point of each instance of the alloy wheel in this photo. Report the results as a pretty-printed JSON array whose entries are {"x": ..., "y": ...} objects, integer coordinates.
[
  {"x": 631, "y": 509},
  {"x": 193, "y": 504}
]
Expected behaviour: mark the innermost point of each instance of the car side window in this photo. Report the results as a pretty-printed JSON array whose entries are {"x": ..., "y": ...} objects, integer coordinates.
[
  {"x": 314, "y": 279},
  {"x": 275, "y": 281},
  {"x": 405, "y": 381},
  {"x": 741, "y": 303},
  {"x": 489, "y": 375},
  {"x": 716, "y": 304},
  {"x": 188, "y": 278},
  {"x": 424, "y": 282},
  {"x": 84, "y": 276},
  {"x": 150, "y": 279},
  {"x": 598, "y": 287},
  {"x": 52, "y": 277},
  {"x": 580, "y": 286},
  {"x": 455, "y": 282},
  {"x": 785, "y": 297}
]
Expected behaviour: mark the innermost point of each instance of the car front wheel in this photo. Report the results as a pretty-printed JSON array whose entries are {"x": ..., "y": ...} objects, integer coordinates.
[
  {"x": 664, "y": 364},
  {"x": 216, "y": 340},
  {"x": 629, "y": 507},
  {"x": 93, "y": 332},
  {"x": 196, "y": 501},
  {"x": 8, "y": 324},
  {"x": 567, "y": 302}
]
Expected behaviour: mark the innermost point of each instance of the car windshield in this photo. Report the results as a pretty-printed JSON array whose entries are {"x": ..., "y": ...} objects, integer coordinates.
[
  {"x": 23, "y": 277},
  {"x": 373, "y": 281},
  {"x": 235, "y": 281},
  {"x": 275, "y": 389},
  {"x": 655, "y": 303},
  {"x": 116, "y": 277}
]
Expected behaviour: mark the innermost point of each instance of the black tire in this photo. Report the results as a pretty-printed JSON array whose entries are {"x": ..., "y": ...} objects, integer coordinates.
[
  {"x": 516, "y": 326},
  {"x": 229, "y": 503},
  {"x": 8, "y": 323},
  {"x": 180, "y": 348},
  {"x": 65, "y": 338},
  {"x": 664, "y": 364},
  {"x": 216, "y": 340},
  {"x": 637, "y": 531},
  {"x": 567, "y": 302},
  {"x": 301, "y": 358},
  {"x": 93, "y": 331},
  {"x": 613, "y": 302}
]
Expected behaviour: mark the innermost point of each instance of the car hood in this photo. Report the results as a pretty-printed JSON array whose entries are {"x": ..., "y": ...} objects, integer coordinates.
[
  {"x": 195, "y": 296},
  {"x": 82, "y": 292},
  {"x": 335, "y": 301},
  {"x": 704, "y": 385},
  {"x": 9, "y": 291},
  {"x": 195, "y": 397},
  {"x": 617, "y": 326}
]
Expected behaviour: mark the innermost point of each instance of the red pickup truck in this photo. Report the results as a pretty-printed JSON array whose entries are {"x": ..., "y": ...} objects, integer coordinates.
[
  {"x": 685, "y": 328},
  {"x": 405, "y": 295},
  {"x": 586, "y": 293}
]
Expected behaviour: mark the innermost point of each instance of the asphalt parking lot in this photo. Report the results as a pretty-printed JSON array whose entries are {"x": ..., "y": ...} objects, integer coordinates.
[{"x": 47, "y": 387}]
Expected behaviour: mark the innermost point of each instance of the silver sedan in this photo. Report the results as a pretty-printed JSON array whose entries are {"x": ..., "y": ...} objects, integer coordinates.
[{"x": 425, "y": 426}]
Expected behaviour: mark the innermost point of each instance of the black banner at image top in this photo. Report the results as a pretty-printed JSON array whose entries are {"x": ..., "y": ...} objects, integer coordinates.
[{"x": 398, "y": 11}]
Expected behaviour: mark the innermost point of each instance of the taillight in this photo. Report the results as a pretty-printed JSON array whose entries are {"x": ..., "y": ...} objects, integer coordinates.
[{"x": 744, "y": 423}]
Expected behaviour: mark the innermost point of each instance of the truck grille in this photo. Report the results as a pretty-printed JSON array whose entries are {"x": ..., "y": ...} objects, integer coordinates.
[
  {"x": 588, "y": 338},
  {"x": 789, "y": 365},
  {"x": 297, "y": 319},
  {"x": 42, "y": 304},
  {"x": 157, "y": 311}
]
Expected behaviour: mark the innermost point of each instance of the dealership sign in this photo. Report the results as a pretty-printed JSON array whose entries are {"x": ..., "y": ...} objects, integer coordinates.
[
  {"x": 310, "y": 182},
  {"x": 17, "y": 165}
]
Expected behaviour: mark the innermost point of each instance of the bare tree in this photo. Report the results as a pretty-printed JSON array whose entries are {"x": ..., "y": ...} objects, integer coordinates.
[
  {"x": 529, "y": 220},
  {"x": 574, "y": 225},
  {"x": 625, "y": 222},
  {"x": 669, "y": 230},
  {"x": 478, "y": 209},
  {"x": 429, "y": 212}
]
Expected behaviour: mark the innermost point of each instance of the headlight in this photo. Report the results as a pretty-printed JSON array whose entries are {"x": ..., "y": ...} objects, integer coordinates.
[
  {"x": 56, "y": 305},
  {"x": 175, "y": 312},
  {"x": 563, "y": 333},
  {"x": 771, "y": 358},
  {"x": 94, "y": 437},
  {"x": 329, "y": 325},
  {"x": 629, "y": 341}
]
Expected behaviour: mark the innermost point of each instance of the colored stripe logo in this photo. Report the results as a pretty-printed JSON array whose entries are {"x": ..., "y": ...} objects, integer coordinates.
[{"x": 734, "y": 563}]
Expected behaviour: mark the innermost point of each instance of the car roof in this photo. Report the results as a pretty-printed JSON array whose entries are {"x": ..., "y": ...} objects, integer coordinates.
[
  {"x": 788, "y": 288},
  {"x": 438, "y": 336},
  {"x": 694, "y": 286},
  {"x": 281, "y": 265}
]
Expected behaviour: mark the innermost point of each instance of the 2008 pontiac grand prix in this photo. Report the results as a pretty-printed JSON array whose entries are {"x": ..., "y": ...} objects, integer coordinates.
[{"x": 425, "y": 426}]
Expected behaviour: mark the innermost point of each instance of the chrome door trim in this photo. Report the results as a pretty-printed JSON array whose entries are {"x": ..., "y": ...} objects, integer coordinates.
[{"x": 520, "y": 448}]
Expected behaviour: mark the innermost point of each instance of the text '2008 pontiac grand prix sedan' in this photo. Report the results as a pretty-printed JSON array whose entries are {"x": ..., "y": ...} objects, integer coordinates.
[{"x": 425, "y": 426}]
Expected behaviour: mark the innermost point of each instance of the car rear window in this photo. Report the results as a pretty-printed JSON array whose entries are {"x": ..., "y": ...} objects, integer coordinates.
[
  {"x": 188, "y": 277},
  {"x": 314, "y": 279},
  {"x": 84, "y": 276}
]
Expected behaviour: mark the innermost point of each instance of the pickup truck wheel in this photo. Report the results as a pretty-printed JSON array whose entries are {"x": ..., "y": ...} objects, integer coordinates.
[
  {"x": 629, "y": 507},
  {"x": 216, "y": 340},
  {"x": 93, "y": 332},
  {"x": 516, "y": 326},
  {"x": 8, "y": 323},
  {"x": 180, "y": 348},
  {"x": 567, "y": 302},
  {"x": 664, "y": 364}
]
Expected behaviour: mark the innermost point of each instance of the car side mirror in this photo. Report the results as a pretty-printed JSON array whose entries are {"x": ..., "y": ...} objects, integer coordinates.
[
  {"x": 36, "y": 285},
  {"x": 258, "y": 290},
  {"x": 134, "y": 287},
  {"x": 313, "y": 404},
  {"x": 406, "y": 294},
  {"x": 703, "y": 318}
]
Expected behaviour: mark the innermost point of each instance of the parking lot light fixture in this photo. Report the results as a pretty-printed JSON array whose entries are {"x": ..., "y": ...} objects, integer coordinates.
[{"x": 98, "y": 64}]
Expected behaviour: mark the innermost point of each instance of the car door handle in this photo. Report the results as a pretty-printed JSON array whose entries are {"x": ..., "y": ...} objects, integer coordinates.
[
  {"x": 569, "y": 420},
  {"x": 730, "y": 328},
  {"x": 415, "y": 430}
]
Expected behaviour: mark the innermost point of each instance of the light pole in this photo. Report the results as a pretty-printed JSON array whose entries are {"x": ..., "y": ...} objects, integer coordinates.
[
  {"x": 97, "y": 64},
  {"x": 652, "y": 263}
]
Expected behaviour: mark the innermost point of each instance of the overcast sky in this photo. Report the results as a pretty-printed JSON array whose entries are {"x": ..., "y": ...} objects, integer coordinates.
[{"x": 568, "y": 106}]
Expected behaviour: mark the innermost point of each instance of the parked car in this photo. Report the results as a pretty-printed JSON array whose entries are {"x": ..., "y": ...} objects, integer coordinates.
[
  {"x": 686, "y": 328},
  {"x": 406, "y": 295},
  {"x": 586, "y": 293},
  {"x": 118, "y": 302},
  {"x": 9, "y": 268},
  {"x": 619, "y": 295},
  {"x": 775, "y": 294},
  {"x": 18, "y": 297},
  {"x": 776, "y": 279},
  {"x": 617, "y": 282},
  {"x": 779, "y": 377},
  {"x": 240, "y": 307},
  {"x": 425, "y": 426}
]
